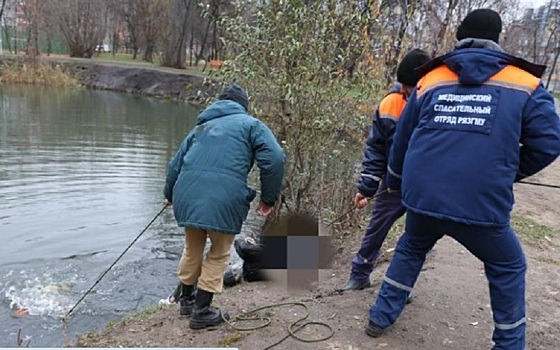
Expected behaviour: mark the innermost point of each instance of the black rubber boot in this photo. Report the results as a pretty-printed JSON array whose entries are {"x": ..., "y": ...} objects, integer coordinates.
[
  {"x": 186, "y": 299},
  {"x": 203, "y": 315},
  {"x": 355, "y": 285},
  {"x": 374, "y": 330}
]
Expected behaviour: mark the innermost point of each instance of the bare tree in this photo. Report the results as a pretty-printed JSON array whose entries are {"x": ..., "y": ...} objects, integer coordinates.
[
  {"x": 7, "y": 23},
  {"x": 174, "y": 40},
  {"x": 32, "y": 10},
  {"x": 129, "y": 12},
  {"x": 152, "y": 20},
  {"x": 533, "y": 35},
  {"x": 2, "y": 9},
  {"x": 210, "y": 35},
  {"x": 114, "y": 24},
  {"x": 553, "y": 43},
  {"x": 82, "y": 22}
]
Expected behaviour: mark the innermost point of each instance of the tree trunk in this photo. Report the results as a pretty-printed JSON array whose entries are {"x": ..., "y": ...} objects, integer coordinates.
[
  {"x": 8, "y": 38},
  {"x": 2, "y": 9},
  {"x": 440, "y": 37},
  {"x": 553, "y": 68},
  {"x": 203, "y": 43},
  {"x": 191, "y": 45}
]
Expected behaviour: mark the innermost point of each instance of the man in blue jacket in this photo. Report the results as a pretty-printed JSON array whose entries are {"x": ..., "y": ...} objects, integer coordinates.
[
  {"x": 387, "y": 207},
  {"x": 207, "y": 184},
  {"x": 478, "y": 121}
]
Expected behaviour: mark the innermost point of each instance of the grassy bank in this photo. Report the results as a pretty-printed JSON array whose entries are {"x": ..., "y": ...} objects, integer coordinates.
[
  {"x": 121, "y": 58},
  {"x": 530, "y": 231},
  {"x": 29, "y": 72}
]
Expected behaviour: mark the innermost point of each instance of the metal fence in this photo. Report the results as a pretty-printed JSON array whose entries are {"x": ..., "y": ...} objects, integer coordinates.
[{"x": 15, "y": 41}]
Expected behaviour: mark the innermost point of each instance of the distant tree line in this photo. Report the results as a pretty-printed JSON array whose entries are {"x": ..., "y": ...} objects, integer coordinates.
[
  {"x": 180, "y": 33},
  {"x": 314, "y": 69}
]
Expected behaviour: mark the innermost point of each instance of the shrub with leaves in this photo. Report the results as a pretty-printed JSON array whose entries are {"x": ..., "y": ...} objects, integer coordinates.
[{"x": 301, "y": 62}]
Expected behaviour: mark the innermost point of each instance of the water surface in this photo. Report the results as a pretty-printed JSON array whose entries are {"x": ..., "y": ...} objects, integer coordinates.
[{"x": 81, "y": 174}]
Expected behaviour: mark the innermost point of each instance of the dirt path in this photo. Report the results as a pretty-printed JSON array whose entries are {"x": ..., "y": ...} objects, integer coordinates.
[{"x": 450, "y": 311}]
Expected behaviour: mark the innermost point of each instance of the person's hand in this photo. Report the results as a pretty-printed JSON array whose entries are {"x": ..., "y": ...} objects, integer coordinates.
[
  {"x": 264, "y": 209},
  {"x": 168, "y": 203},
  {"x": 360, "y": 200}
]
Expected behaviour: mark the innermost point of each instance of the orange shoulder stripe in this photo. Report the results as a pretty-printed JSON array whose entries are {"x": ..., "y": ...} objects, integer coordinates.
[
  {"x": 437, "y": 77},
  {"x": 515, "y": 78},
  {"x": 392, "y": 106},
  {"x": 510, "y": 77}
]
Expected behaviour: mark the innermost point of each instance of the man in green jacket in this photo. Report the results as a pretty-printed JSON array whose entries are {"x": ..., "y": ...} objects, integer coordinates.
[{"x": 207, "y": 184}]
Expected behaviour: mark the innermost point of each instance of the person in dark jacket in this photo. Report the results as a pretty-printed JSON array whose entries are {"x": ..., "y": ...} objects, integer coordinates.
[
  {"x": 387, "y": 207},
  {"x": 207, "y": 184},
  {"x": 479, "y": 120}
]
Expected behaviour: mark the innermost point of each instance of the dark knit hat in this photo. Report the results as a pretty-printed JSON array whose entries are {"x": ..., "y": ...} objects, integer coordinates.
[
  {"x": 481, "y": 24},
  {"x": 235, "y": 93},
  {"x": 412, "y": 60}
]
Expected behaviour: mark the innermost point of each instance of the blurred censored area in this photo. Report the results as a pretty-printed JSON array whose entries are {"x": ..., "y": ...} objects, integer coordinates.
[{"x": 298, "y": 252}]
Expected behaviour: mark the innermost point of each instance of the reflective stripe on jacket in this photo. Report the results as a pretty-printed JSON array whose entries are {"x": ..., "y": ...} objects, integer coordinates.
[
  {"x": 379, "y": 140},
  {"x": 479, "y": 120}
]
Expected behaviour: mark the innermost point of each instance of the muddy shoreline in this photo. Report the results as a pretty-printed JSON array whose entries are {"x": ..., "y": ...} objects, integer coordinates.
[{"x": 155, "y": 82}]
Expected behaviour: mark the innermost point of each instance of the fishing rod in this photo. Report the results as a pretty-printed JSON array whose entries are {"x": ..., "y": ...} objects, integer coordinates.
[
  {"x": 377, "y": 194},
  {"x": 113, "y": 264},
  {"x": 354, "y": 208}
]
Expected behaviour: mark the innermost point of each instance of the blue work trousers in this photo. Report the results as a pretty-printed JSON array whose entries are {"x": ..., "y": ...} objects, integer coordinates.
[
  {"x": 504, "y": 264},
  {"x": 387, "y": 208}
]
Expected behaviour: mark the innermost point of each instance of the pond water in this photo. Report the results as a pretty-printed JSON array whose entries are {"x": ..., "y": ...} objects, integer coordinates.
[{"x": 81, "y": 174}]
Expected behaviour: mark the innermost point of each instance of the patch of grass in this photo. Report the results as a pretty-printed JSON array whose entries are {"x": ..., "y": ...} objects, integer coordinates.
[
  {"x": 393, "y": 236},
  {"x": 123, "y": 58},
  {"x": 547, "y": 260},
  {"x": 37, "y": 73},
  {"x": 529, "y": 230},
  {"x": 82, "y": 341},
  {"x": 120, "y": 58},
  {"x": 89, "y": 335},
  {"x": 230, "y": 339},
  {"x": 150, "y": 309},
  {"x": 110, "y": 325}
]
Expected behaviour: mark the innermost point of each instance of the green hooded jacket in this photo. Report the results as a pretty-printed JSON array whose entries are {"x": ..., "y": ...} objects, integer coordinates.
[{"x": 207, "y": 178}]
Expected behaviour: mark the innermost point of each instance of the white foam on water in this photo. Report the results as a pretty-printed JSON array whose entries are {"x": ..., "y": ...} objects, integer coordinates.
[{"x": 43, "y": 296}]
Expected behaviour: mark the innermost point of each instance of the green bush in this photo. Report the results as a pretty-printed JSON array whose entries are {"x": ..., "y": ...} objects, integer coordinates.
[{"x": 302, "y": 65}]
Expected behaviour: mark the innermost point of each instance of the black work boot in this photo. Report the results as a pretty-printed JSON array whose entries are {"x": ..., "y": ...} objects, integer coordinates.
[
  {"x": 353, "y": 284},
  {"x": 374, "y": 330},
  {"x": 203, "y": 315},
  {"x": 186, "y": 299}
]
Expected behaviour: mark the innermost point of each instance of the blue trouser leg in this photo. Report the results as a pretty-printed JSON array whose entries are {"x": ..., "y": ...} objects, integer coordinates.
[
  {"x": 403, "y": 271},
  {"x": 387, "y": 208},
  {"x": 497, "y": 248},
  {"x": 505, "y": 267}
]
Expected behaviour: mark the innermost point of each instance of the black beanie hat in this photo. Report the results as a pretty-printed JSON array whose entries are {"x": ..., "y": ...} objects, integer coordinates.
[
  {"x": 481, "y": 24},
  {"x": 235, "y": 93},
  {"x": 412, "y": 60}
]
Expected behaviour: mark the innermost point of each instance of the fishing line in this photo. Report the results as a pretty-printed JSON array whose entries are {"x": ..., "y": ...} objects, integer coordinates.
[
  {"x": 113, "y": 264},
  {"x": 538, "y": 184}
]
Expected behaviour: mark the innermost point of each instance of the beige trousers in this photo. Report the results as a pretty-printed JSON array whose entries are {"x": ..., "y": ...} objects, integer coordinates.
[{"x": 207, "y": 273}]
